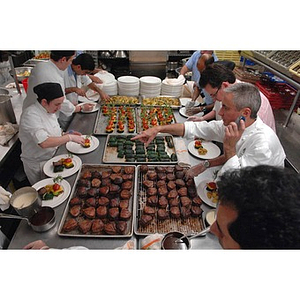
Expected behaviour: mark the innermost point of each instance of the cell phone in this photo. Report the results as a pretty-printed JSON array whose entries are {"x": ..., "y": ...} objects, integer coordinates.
[{"x": 237, "y": 121}]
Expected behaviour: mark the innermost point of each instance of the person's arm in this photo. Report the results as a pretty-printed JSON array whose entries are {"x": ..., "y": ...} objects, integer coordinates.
[
  {"x": 55, "y": 141},
  {"x": 148, "y": 135},
  {"x": 76, "y": 90},
  {"x": 196, "y": 93},
  {"x": 95, "y": 88},
  {"x": 200, "y": 168},
  {"x": 210, "y": 116},
  {"x": 184, "y": 70},
  {"x": 95, "y": 79}
]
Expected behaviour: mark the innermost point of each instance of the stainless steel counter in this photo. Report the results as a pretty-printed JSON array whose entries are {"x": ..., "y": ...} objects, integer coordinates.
[{"x": 84, "y": 123}]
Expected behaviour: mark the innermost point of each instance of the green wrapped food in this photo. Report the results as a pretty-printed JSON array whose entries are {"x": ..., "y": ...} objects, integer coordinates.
[{"x": 173, "y": 157}]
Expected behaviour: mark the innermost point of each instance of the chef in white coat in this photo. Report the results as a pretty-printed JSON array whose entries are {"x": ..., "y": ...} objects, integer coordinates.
[
  {"x": 39, "y": 130},
  {"x": 51, "y": 71}
]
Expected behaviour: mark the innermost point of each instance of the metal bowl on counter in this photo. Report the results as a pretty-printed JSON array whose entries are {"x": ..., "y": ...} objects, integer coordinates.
[
  {"x": 4, "y": 91},
  {"x": 23, "y": 72}
]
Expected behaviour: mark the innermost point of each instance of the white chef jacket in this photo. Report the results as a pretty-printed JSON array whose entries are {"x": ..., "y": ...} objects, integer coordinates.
[
  {"x": 73, "y": 80},
  {"x": 46, "y": 72},
  {"x": 36, "y": 125},
  {"x": 258, "y": 145}
]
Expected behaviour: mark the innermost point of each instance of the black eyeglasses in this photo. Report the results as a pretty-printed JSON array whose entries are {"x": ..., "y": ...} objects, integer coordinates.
[{"x": 215, "y": 94}]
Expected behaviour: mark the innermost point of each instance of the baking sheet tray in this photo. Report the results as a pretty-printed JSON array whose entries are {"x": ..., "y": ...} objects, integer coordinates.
[
  {"x": 190, "y": 225},
  {"x": 99, "y": 168},
  {"x": 149, "y": 116},
  {"x": 104, "y": 115},
  {"x": 122, "y": 100},
  {"x": 111, "y": 151},
  {"x": 169, "y": 101}
]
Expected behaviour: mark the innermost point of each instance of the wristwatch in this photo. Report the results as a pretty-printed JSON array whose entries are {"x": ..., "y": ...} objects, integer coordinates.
[{"x": 206, "y": 164}]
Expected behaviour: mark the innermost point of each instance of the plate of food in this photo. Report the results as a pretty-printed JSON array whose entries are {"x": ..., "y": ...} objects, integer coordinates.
[
  {"x": 63, "y": 165},
  {"x": 204, "y": 149},
  {"x": 182, "y": 111},
  {"x": 208, "y": 192},
  {"x": 53, "y": 191},
  {"x": 90, "y": 144},
  {"x": 95, "y": 107}
]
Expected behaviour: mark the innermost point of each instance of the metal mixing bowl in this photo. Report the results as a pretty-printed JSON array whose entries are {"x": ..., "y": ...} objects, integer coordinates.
[{"x": 23, "y": 72}]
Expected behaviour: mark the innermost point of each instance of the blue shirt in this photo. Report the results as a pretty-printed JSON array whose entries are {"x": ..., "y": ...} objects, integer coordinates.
[{"x": 192, "y": 65}]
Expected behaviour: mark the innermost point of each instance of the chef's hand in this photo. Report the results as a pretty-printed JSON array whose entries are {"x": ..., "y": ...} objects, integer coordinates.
[
  {"x": 147, "y": 136},
  {"x": 193, "y": 110},
  {"x": 233, "y": 133},
  {"x": 104, "y": 96},
  {"x": 39, "y": 244},
  {"x": 195, "y": 171},
  {"x": 88, "y": 106},
  {"x": 76, "y": 139},
  {"x": 190, "y": 103},
  {"x": 195, "y": 119}
]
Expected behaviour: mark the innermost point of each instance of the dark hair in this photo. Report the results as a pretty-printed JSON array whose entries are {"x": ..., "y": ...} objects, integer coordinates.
[
  {"x": 215, "y": 75},
  {"x": 267, "y": 201},
  {"x": 85, "y": 60},
  {"x": 57, "y": 55}
]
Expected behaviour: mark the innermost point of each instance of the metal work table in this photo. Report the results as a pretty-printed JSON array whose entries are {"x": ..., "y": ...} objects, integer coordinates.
[{"x": 84, "y": 123}]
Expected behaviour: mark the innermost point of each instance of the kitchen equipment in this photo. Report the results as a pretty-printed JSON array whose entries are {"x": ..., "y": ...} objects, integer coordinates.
[
  {"x": 7, "y": 113},
  {"x": 23, "y": 72},
  {"x": 26, "y": 201},
  {"x": 120, "y": 54},
  {"x": 183, "y": 238},
  {"x": 169, "y": 241},
  {"x": 109, "y": 224},
  {"x": 40, "y": 221},
  {"x": 105, "y": 54}
]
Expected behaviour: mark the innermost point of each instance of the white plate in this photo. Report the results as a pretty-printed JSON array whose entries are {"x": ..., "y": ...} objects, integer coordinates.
[
  {"x": 183, "y": 113},
  {"x": 202, "y": 192},
  {"x": 78, "y": 149},
  {"x": 48, "y": 167},
  {"x": 56, "y": 200},
  {"x": 184, "y": 101},
  {"x": 95, "y": 108},
  {"x": 213, "y": 150}
]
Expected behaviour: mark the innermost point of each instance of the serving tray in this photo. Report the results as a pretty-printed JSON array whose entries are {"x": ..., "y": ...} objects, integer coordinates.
[
  {"x": 83, "y": 190},
  {"x": 120, "y": 149}
]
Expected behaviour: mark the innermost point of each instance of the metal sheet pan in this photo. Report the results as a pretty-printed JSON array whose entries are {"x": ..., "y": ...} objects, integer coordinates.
[
  {"x": 190, "y": 225},
  {"x": 102, "y": 120},
  {"x": 162, "y": 100},
  {"x": 152, "y": 115},
  {"x": 110, "y": 154},
  {"x": 66, "y": 216},
  {"x": 120, "y": 100}
]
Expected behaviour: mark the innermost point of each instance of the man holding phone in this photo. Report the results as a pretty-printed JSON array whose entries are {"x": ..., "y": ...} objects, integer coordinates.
[{"x": 249, "y": 144}]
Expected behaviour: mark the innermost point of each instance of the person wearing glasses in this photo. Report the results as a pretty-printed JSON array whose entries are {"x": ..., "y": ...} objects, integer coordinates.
[
  {"x": 214, "y": 79},
  {"x": 258, "y": 208},
  {"x": 247, "y": 140}
]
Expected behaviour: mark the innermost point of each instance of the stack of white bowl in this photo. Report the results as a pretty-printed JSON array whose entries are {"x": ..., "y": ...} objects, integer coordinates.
[
  {"x": 150, "y": 86},
  {"x": 129, "y": 86},
  {"x": 172, "y": 87}
]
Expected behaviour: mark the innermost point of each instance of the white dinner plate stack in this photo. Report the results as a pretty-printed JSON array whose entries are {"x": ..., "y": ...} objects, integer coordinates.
[
  {"x": 150, "y": 86},
  {"x": 129, "y": 86},
  {"x": 172, "y": 87}
]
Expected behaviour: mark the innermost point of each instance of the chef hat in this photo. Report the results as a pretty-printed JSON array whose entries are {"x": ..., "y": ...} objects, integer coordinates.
[{"x": 48, "y": 91}]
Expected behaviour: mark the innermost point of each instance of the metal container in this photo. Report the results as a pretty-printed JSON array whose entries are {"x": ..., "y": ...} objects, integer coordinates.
[
  {"x": 41, "y": 221},
  {"x": 27, "y": 208},
  {"x": 23, "y": 72},
  {"x": 7, "y": 113},
  {"x": 169, "y": 242}
]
